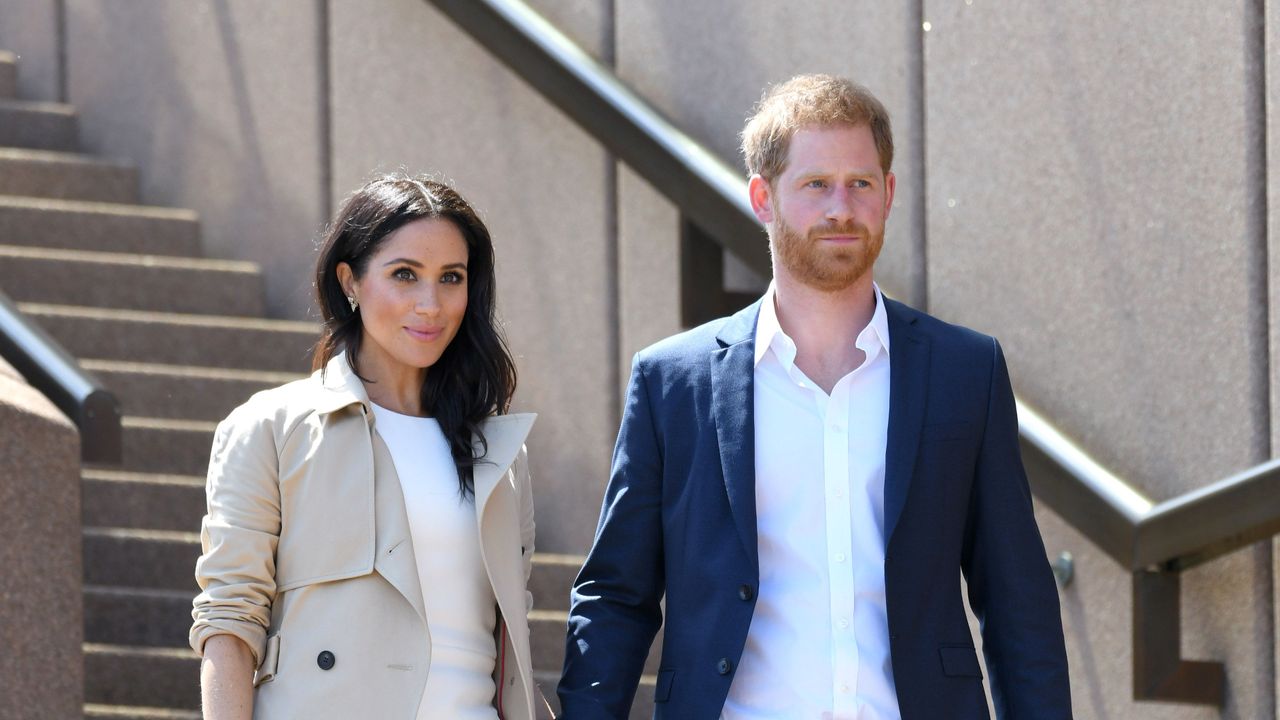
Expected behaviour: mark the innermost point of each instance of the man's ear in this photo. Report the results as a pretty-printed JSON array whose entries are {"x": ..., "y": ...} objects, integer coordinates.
[
  {"x": 761, "y": 198},
  {"x": 890, "y": 184},
  {"x": 347, "y": 279}
]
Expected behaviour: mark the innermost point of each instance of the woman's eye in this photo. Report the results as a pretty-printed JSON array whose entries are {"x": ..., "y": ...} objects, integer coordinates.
[
  {"x": 403, "y": 274},
  {"x": 452, "y": 278}
]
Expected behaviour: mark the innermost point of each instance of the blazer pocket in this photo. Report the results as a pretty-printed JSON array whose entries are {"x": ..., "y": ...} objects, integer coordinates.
[
  {"x": 960, "y": 661},
  {"x": 662, "y": 692},
  {"x": 270, "y": 662}
]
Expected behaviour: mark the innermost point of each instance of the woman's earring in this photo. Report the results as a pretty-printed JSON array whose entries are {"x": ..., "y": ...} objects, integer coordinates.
[{"x": 351, "y": 299}]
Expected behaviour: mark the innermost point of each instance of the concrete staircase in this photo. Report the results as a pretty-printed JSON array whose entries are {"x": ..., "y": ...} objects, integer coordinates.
[{"x": 181, "y": 340}]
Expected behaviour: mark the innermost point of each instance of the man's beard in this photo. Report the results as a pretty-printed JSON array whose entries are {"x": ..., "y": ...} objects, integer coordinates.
[{"x": 828, "y": 268}]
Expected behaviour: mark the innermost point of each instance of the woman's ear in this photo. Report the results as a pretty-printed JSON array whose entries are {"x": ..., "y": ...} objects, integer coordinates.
[{"x": 347, "y": 279}]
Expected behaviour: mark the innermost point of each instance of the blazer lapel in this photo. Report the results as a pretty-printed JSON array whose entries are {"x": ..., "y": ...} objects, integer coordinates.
[
  {"x": 733, "y": 413},
  {"x": 908, "y": 390}
]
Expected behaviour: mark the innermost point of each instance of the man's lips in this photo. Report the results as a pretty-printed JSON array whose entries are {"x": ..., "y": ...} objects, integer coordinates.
[
  {"x": 840, "y": 239},
  {"x": 424, "y": 334}
]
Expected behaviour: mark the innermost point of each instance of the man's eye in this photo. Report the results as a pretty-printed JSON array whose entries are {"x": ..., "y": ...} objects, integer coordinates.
[
  {"x": 861, "y": 183},
  {"x": 815, "y": 184}
]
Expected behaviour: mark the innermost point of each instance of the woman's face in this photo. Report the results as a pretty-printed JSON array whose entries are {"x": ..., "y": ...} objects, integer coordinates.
[{"x": 412, "y": 296}]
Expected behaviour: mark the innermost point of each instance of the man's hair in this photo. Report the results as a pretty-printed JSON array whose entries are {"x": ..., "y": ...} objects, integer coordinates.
[{"x": 810, "y": 100}]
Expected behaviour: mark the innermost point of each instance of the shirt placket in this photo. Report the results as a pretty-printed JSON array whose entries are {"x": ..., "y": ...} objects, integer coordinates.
[{"x": 835, "y": 469}]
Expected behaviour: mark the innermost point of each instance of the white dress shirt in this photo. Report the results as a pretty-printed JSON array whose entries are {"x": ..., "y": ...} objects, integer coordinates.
[
  {"x": 455, "y": 587},
  {"x": 818, "y": 645}
]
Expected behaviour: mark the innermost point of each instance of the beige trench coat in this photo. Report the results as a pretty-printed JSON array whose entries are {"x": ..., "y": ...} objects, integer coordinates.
[{"x": 307, "y": 557}]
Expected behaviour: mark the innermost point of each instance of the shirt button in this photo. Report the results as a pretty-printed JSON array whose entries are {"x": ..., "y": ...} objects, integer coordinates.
[
  {"x": 838, "y": 493},
  {"x": 844, "y": 623},
  {"x": 326, "y": 660},
  {"x": 844, "y": 688},
  {"x": 745, "y": 592},
  {"x": 724, "y": 666},
  {"x": 839, "y": 557}
]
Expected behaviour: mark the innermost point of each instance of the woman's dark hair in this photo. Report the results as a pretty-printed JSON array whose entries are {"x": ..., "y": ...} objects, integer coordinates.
[{"x": 475, "y": 376}]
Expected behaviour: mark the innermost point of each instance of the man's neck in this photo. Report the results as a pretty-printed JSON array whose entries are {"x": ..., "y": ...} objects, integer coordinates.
[{"x": 825, "y": 326}]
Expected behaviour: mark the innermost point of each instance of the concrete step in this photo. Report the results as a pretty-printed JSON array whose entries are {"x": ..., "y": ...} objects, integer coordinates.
[
  {"x": 107, "y": 227},
  {"x": 166, "y": 445},
  {"x": 552, "y": 579},
  {"x": 141, "y": 559},
  {"x": 8, "y": 74},
  {"x": 136, "y": 616},
  {"x": 147, "y": 501},
  {"x": 127, "y": 712},
  {"x": 181, "y": 391},
  {"x": 176, "y": 339},
  {"x": 138, "y": 676},
  {"x": 67, "y": 176},
  {"x": 641, "y": 709},
  {"x": 38, "y": 125},
  {"x": 133, "y": 282}
]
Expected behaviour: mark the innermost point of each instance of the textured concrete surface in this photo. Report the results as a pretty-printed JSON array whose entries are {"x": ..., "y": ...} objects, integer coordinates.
[
  {"x": 220, "y": 115},
  {"x": 434, "y": 101},
  {"x": 706, "y": 64},
  {"x": 1094, "y": 200},
  {"x": 29, "y": 28},
  {"x": 648, "y": 267},
  {"x": 41, "y": 672}
]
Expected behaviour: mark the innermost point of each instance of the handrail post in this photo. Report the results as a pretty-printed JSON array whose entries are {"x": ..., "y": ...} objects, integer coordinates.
[{"x": 1159, "y": 672}]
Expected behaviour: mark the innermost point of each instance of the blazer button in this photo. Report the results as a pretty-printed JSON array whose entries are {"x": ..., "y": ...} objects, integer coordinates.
[
  {"x": 326, "y": 660},
  {"x": 745, "y": 592},
  {"x": 724, "y": 666}
]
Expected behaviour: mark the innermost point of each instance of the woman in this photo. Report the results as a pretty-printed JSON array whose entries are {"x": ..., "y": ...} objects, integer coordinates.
[{"x": 370, "y": 529}]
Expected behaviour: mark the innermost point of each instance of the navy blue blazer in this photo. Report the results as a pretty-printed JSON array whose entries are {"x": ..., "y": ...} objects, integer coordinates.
[{"x": 679, "y": 519}]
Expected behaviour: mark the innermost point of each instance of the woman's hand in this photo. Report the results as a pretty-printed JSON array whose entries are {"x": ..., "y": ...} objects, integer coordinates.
[{"x": 226, "y": 679}]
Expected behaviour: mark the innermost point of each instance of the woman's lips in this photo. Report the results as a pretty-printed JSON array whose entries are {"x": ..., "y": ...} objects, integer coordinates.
[{"x": 424, "y": 334}]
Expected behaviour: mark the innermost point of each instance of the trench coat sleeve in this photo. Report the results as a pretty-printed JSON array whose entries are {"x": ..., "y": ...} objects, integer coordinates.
[
  {"x": 524, "y": 486},
  {"x": 238, "y": 537}
]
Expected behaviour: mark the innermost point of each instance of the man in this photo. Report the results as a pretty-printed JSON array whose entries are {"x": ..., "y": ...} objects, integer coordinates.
[{"x": 807, "y": 480}]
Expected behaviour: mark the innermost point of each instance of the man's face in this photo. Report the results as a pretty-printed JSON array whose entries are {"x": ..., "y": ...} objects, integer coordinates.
[{"x": 826, "y": 212}]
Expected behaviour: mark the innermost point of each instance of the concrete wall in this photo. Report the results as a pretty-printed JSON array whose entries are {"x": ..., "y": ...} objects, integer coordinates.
[
  {"x": 30, "y": 28},
  {"x": 1089, "y": 182},
  {"x": 220, "y": 115},
  {"x": 1096, "y": 199},
  {"x": 41, "y": 616}
]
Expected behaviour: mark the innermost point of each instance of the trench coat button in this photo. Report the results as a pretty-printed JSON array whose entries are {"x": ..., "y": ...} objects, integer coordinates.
[
  {"x": 745, "y": 592},
  {"x": 724, "y": 666},
  {"x": 326, "y": 660}
]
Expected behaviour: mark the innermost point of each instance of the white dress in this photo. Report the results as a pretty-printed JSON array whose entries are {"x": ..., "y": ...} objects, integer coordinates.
[{"x": 456, "y": 592}]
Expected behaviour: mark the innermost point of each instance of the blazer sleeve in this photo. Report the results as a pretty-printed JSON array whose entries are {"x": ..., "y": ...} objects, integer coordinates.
[
  {"x": 239, "y": 534},
  {"x": 615, "y": 605},
  {"x": 1011, "y": 587}
]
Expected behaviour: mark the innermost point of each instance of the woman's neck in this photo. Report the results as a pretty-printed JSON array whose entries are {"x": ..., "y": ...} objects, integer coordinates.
[{"x": 393, "y": 385}]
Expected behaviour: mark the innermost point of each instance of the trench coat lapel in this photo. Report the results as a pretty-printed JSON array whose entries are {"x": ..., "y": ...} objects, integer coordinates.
[
  {"x": 505, "y": 435},
  {"x": 395, "y": 560},
  {"x": 908, "y": 393},
  {"x": 733, "y": 414}
]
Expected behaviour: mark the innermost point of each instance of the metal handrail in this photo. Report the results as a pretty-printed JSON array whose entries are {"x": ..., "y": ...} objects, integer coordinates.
[
  {"x": 706, "y": 189},
  {"x": 1155, "y": 541},
  {"x": 56, "y": 375}
]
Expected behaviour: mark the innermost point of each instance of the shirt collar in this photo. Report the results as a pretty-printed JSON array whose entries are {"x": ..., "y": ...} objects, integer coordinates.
[{"x": 769, "y": 332}]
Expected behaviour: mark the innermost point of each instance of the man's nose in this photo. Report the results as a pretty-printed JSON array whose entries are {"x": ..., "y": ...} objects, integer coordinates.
[{"x": 840, "y": 204}]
